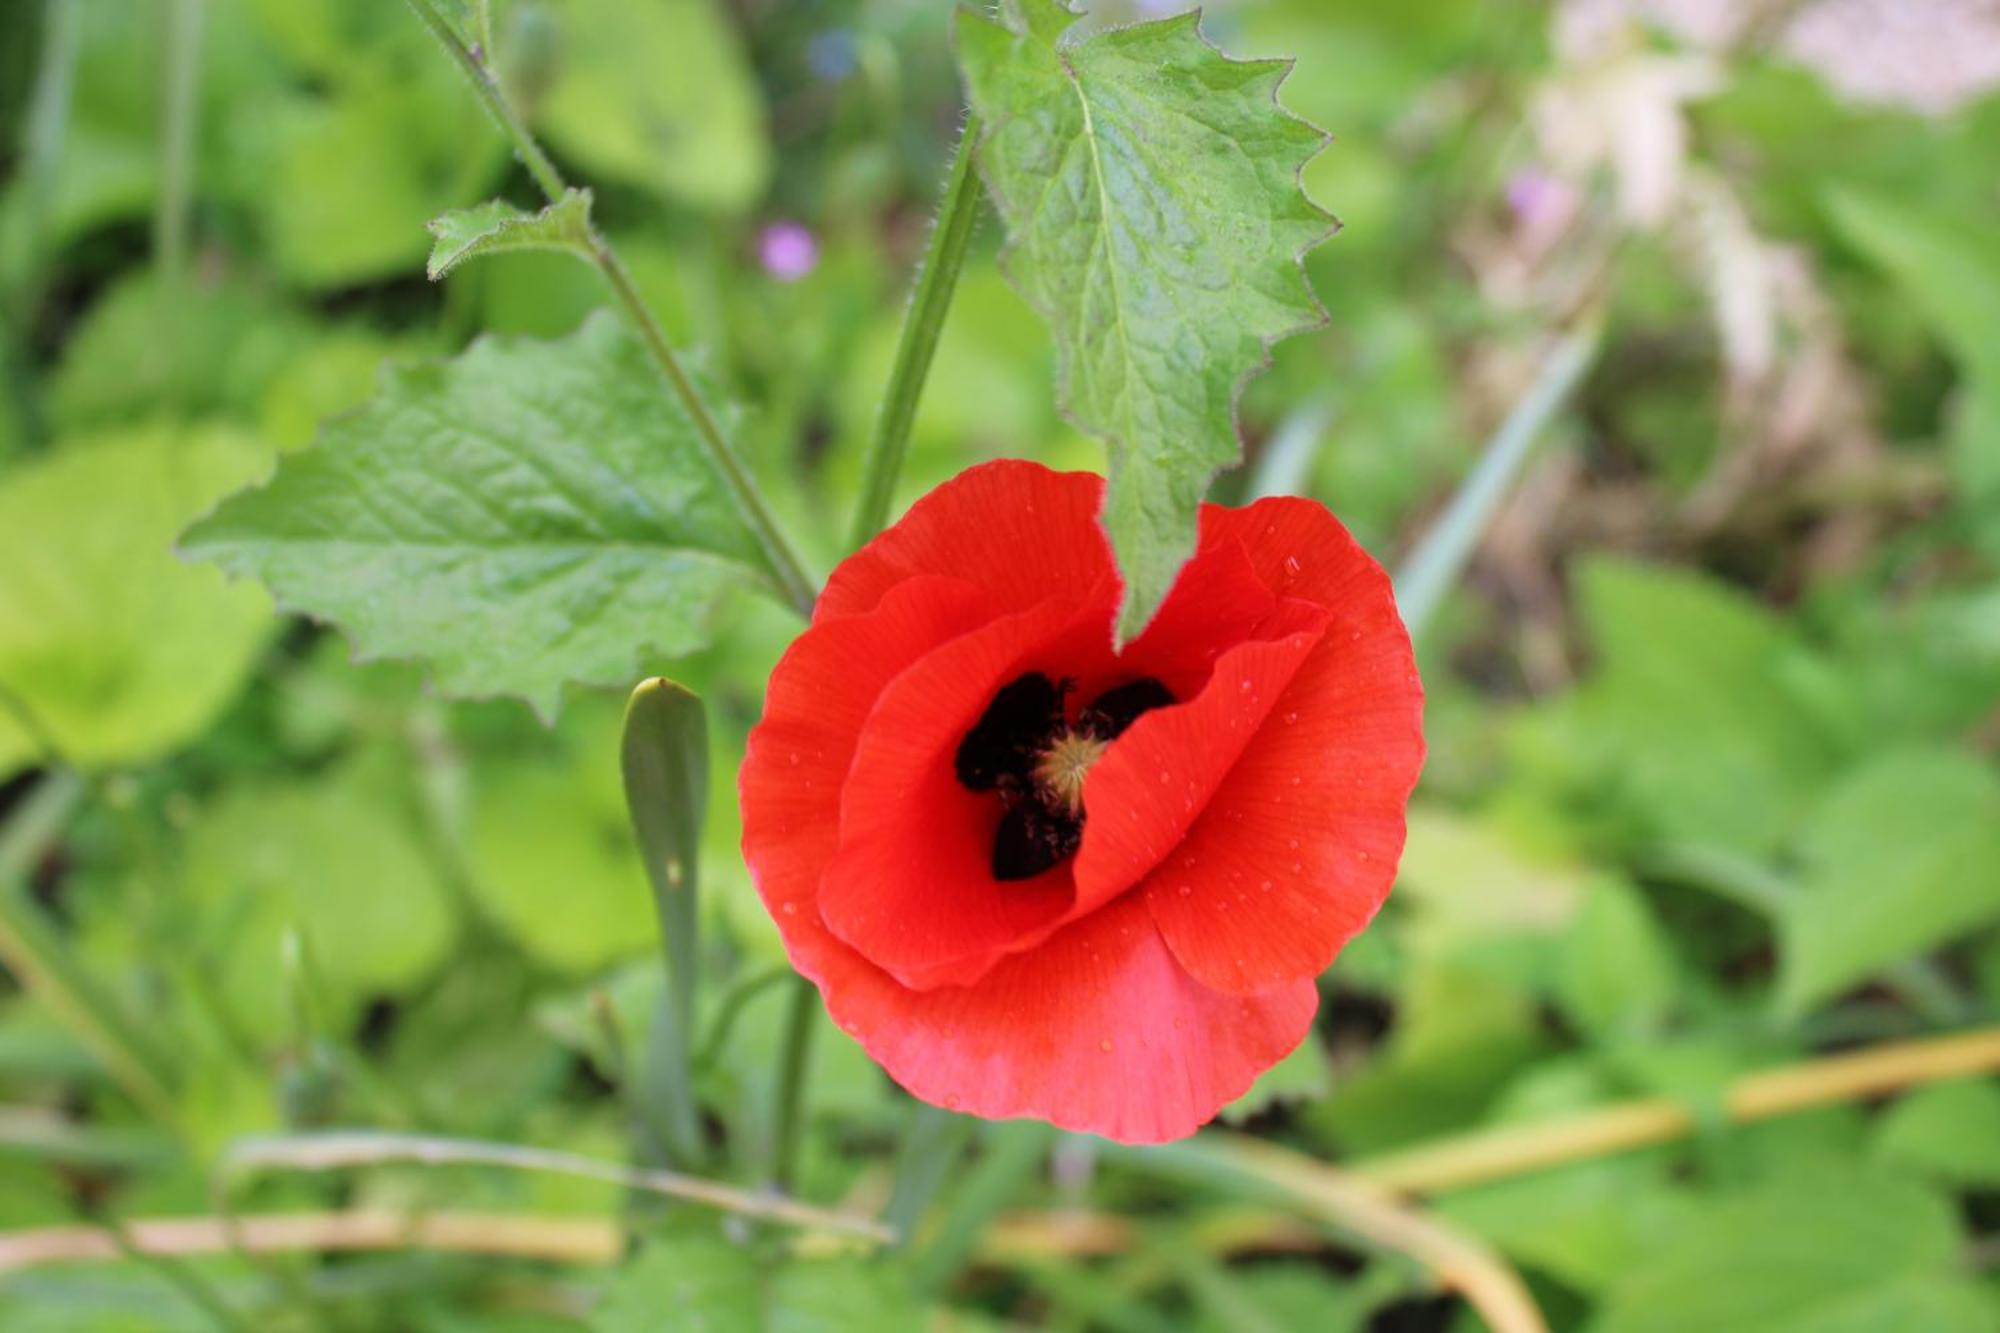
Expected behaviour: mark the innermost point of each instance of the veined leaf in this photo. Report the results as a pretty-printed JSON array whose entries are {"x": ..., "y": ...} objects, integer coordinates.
[
  {"x": 1150, "y": 187},
  {"x": 496, "y": 227},
  {"x": 528, "y": 514}
]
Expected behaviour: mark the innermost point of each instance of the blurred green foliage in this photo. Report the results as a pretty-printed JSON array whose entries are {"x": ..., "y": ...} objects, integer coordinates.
[{"x": 1714, "y": 716}]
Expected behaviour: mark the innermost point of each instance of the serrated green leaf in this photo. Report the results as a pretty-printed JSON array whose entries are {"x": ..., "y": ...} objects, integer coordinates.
[
  {"x": 1827, "y": 1252},
  {"x": 528, "y": 514},
  {"x": 1150, "y": 187},
  {"x": 1901, "y": 856},
  {"x": 496, "y": 227},
  {"x": 119, "y": 651}
]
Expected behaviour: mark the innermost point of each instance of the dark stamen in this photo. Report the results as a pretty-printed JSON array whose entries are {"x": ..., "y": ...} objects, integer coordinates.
[
  {"x": 1002, "y": 745},
  {"x": 1114, "y": 710},
  {"x": 1039, "y": 827},
  {"x": 1033, "y": 838}
]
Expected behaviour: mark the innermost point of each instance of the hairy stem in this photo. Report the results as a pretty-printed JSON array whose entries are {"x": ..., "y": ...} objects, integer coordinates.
[
  {"x": 922, "y": 326},
  {"x": 793, "y": 582}
]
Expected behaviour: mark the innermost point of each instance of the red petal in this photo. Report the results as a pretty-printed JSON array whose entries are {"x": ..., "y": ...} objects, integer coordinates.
[
  {"x": 1155, "y": 780},
  {"x": 1097, "y": 1030},
  {"x": 1016, "y": 529},
  {"x": 798, "y": 755},
  {"x": 1298, "y": 847},
  {"x": 911, "y": 888}
]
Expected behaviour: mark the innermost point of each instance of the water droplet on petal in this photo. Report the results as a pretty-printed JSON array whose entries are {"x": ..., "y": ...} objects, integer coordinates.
[
  {"x": 1105, "y": 1045},
  {"x": 1265, "y": 886},
  {"x": 791, "y": 909},
  {"x": 1187, "y": 890}
]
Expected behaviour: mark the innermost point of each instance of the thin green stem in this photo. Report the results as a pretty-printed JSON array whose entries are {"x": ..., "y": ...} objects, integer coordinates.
[
  {"x": 794, "y": 1058},
  {"x": 729, "y": 1007},
  {"x": 796, "y": 586},
  {"x": 1428, "y": 574},
  {"x": 922, "y": 326},
  {"x": 180, "y": 80},
  {"x": 43, "y": 132}
]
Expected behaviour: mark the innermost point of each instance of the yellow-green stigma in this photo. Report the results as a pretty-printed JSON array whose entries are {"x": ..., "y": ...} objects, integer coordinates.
[{"x": 1062, "y": 767}]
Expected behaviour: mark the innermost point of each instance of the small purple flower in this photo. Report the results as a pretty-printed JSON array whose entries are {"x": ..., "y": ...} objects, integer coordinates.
[
  {"x": 1539, "y": 199},
  {"x": 787, "y": 250}
]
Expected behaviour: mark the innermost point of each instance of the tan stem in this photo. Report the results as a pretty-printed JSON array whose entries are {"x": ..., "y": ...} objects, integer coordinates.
[
  {"x": 1497, "y": 1154},
  {"x": 1365, "y": 1209},
  {"x": 569, "y": 1240}
]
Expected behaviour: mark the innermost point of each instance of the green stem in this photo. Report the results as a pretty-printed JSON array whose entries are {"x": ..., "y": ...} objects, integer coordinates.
[
  {"x": 793, "y": 1060},
  {"x": 922, "y": 326},
  {"x": 1432, "y": 568},
  {"x": 180, "y": 79},
  {"x": 793, "y": 582},
  {"x": 45, "y": 129},
  {"x": 729, "y": 1007},
  {"x": 35, "y": 952}
]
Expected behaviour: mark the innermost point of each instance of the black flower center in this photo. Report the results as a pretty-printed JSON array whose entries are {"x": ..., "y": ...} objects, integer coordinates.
[{"x": 1025, "y": 749}]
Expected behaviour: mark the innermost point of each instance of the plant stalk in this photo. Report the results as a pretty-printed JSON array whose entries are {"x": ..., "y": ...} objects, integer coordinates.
[
  {"x": 1435, "y": 565},
  {"x": 937, "y": 280},
  {"x": 1514, "y": 1150},
  {"x": 794, "y": 1059},
  {"x": 796, "y": 586}
]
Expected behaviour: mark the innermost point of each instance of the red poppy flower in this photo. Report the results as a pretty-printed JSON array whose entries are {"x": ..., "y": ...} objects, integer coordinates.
[{"x": 1036, "y": 877}]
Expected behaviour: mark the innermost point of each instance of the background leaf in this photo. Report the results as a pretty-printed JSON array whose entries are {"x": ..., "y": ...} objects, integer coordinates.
[
  {"x": 1901, "y": 856},
  {"x": 1833, "y": 1252},
  {"x": 120, "y": 651},
  {"x": 695, "y": 135},
  {"x": 1150, "y": 188},
  {"x": 528, "y": 514}
]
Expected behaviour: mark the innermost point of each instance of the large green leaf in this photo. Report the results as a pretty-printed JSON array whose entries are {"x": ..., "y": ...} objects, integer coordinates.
[
  {"x": 1150, "y": 188},
  {"x": 1827, "y": 1252},
  {"x": 528, "y": 514},
  {"x": 118, "y": 650},
  {"x": 1902, "y": 856},
  {"x": 657, "y": 95}
]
